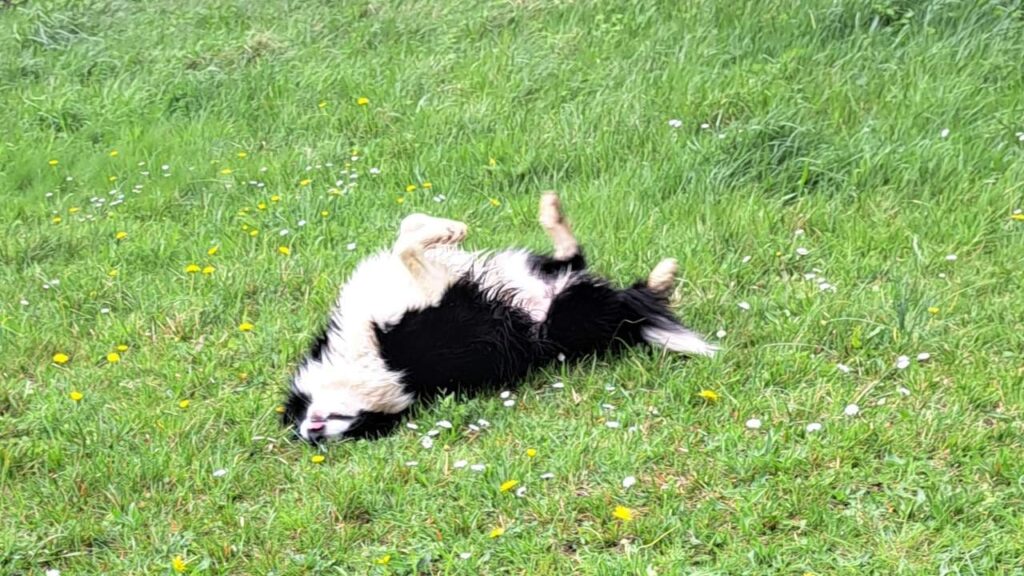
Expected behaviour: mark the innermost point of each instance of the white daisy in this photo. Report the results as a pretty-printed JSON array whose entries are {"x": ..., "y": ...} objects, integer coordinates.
[
  {"x": 753, "y": 424},
  {"x": 813, "y": 427},
  {"x": 628, "y": 482},
  {"x": 851, "y": 410}
]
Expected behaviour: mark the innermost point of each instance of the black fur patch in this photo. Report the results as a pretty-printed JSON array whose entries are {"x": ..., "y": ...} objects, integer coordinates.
[
  {"x": 549, "y": 266},
  {"x": 370, "y": 425},
  {"x": 321, "y": 343},
  {"x": 590, "y": 316},
  {"x": 295, "y": 408},
  {"x": 468, "y": 342}
]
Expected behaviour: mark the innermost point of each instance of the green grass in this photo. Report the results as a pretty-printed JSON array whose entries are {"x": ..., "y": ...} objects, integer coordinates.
[{"x": 821, "y": 116}]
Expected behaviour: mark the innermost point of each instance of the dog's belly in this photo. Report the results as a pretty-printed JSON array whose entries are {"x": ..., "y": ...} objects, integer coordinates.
[{"x": 509, "y": 272}]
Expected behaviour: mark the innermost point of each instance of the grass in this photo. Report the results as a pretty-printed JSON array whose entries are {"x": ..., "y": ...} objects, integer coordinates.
[{"x": 820, "y": 116}]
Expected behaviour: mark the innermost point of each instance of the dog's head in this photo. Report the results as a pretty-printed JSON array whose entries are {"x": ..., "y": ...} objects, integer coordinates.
[{"x": 329, "y": 401}]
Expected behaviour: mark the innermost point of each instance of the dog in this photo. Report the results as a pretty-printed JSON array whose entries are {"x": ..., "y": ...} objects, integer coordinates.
[{"x": 427, "y": 318}]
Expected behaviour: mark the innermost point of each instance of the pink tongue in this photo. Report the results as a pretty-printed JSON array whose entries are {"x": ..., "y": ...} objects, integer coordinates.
[{"x": 316, "y": 426}]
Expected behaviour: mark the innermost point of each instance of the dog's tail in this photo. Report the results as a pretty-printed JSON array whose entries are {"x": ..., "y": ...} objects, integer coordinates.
[{"x": 591, "y": 316}]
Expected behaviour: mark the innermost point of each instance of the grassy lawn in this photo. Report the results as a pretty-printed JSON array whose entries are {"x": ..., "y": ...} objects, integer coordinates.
[{"x": 837, "y": 179}]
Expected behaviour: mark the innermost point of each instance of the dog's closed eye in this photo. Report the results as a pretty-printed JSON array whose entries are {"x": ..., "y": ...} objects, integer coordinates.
[{"x": 343, "y": 417}]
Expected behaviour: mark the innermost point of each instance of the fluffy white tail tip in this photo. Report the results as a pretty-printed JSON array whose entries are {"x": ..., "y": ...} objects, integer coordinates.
[{"x": 679, "y": 340}]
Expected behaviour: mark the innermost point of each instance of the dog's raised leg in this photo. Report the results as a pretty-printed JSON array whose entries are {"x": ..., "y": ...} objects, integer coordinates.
[
  {"x": 557, "y": 227},
  {"x": 662, "y": 279},
  {"x": 417, "y": 233}
]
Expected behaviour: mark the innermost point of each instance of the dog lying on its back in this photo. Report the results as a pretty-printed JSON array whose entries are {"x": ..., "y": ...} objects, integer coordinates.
[{"x": 426, "y": 318}]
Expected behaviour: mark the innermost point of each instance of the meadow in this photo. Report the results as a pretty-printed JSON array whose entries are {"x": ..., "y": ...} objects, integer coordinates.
[{"x": 185, "y": 185}]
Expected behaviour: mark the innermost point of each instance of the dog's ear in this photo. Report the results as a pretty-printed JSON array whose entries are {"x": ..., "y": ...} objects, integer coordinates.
[
  {"x": 295, "y": 408},
  {"x": 370, "y": 425}
]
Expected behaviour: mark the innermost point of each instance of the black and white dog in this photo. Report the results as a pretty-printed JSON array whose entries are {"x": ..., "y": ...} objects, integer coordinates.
[{"x": 427, "y": 318}]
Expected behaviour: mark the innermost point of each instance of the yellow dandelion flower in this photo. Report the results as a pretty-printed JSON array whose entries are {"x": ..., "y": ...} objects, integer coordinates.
[
  {"x": 284, "y": 250},
  {"x": 492, "y": 162},
  {"x": 275, "y": 198},
  {"x": 261, "y": 206},
  {"x": 709, "y": 395},
  {"x": 226, "y": 171},
  {"x": 113, "y": 358},
  {"x": 243, "y": 376},
  {"x": 213, "y": 251},
  {"x": 383, "y": 560},
  {"x": 184, "y": 404},
  {"x": 179, "y": 565},
  {"x": 410, "y": 188},
  {"x": 245, "y": 227},
  {"x": 324, "y": 213},
  {"x": 111, "y": 178},
  {"x": 305, "y": 182},
  {"x": 242, "y": 155},
  {"x": 76, "y": 396},
  {"x": 933, "y": 310},
  {"x": 279, "y": 409},
  {"x": 246, "y": 327},
  {"x": 497, "y": 532},
  {"x": 57, "y": 219},
  {"x": 317, "y": 459},
  {"x": 531, "y": 453},
  {"x": 120, "y": 235},
  {"x": 114, "y": 153},
  {"x": 53, "y": 162},
  {"x": 427, "y": 185},
  {"x": 60, "y": 358},
  {"x": 508, "y": 485},
  {"x": 495, "y": 202},
  {"x": 74, "y": 210},
  {"x": 192, "y": 268},
  {"x": 400, "y": 200},
  {"x": 254, "y": 232},
  {"x": 623, "y": 513},
  {"x": 1018, "y": 217},
  {"x": 322, "y": 104},
  {"x": 112, "y": 273},
  {"x": 778, "y": 253},
  {"x": 208, "y": 270},
  {"x": 363, "y": 101},
  {"x": 121, "y": 347}
]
